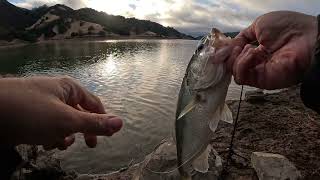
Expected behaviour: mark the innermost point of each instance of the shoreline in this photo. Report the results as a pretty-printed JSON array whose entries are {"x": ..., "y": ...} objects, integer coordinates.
[{"x": 18, "y": 43}]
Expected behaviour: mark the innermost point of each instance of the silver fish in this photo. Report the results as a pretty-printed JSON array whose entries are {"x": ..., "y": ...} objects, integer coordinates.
[{"x": 201, "y": 105}]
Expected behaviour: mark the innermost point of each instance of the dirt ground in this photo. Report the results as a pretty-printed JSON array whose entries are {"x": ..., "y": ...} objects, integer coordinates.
[{"x": 274, "y": 123}]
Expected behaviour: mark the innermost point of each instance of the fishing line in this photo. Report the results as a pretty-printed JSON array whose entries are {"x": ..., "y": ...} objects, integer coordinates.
[{"x": 231, "y": 150}]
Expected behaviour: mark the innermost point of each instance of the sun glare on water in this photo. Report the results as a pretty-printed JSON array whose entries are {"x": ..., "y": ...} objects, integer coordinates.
[{"x": 109, "y": 66}]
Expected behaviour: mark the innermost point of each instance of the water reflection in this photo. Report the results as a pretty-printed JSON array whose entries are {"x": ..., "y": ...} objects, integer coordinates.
[{"x": 136, "y": 79}]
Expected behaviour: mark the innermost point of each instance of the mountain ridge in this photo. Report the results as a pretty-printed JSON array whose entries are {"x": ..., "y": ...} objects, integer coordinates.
[{"x": 62, "y": 22}]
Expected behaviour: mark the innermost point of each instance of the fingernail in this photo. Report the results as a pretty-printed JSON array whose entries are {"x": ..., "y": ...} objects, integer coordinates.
[
  {"x": 116, "y": 123},
  {"x": 113, "y": 125},
  {"x": 68, "y": 141}
]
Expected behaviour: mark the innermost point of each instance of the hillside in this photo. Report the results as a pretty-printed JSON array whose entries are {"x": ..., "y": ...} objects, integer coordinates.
[
  {"x": 13, "y": 18},
  {"x": 126, "y": 26},
  {"x": 62, "y": 22}
]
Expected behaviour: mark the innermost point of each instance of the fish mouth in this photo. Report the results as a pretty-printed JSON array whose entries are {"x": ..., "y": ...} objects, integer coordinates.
[{"x": 206, "y": 48}]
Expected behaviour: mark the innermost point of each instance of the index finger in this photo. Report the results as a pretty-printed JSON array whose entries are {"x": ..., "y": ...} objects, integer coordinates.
[
  {"x": 246, "y": 36},
  {"x": 229, "y": 53},
  {"x": 75, "y": 95}
]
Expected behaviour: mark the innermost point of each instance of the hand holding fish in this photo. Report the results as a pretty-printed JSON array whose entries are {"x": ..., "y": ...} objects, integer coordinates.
[
  {"x": 286, "y": 44},
  {"x": 48, "y": 111}
]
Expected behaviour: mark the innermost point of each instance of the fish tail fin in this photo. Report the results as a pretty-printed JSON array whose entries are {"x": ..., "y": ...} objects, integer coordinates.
[{"x": 201, "y": 164}]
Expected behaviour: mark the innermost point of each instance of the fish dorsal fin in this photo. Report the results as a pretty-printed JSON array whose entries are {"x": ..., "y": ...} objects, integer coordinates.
[
  {"x": 226, "y": 114},
  {"x": 192, "y": 104},
  {"x": 201, "y": 164}
]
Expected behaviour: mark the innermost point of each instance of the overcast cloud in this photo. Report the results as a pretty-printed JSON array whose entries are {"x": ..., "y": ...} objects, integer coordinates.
[{"x": 188, "y": 16}]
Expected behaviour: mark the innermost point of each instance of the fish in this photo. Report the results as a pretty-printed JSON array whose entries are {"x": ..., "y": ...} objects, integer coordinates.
[{"x": 201, "y": 105}]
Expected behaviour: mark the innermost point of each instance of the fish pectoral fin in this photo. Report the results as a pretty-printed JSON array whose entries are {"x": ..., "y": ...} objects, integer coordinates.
[
  {"x": 201, "y": 164},
  {"x": 214, "y": 121},
  {"x": 226, "y": 114},
  {"x": 192, "y": 104},
  {"x": 223, "y": 114}
]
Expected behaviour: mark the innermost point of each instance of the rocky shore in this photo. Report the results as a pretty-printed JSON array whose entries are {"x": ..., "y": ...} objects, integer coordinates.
[{"x": 273, "y": 123}]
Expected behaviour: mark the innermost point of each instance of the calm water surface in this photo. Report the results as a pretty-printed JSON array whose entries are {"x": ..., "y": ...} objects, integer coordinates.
[{"x": 138, "y": 80}]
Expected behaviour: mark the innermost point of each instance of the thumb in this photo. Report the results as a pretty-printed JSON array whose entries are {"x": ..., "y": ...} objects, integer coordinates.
[
  {"x": 227, "y": 53},
  {"x": 97, "y": 124}
]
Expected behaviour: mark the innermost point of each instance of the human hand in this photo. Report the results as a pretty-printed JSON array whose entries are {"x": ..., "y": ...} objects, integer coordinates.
[
  {"x": 48, "y": 111},
  {"x": 286, "y": 44}
]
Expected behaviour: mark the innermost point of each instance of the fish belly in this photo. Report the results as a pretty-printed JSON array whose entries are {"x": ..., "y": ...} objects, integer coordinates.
[{"x": 195, "y": 136}]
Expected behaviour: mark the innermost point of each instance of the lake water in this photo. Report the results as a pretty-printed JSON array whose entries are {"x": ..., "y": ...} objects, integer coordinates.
[{"x": 138, "y": 80}]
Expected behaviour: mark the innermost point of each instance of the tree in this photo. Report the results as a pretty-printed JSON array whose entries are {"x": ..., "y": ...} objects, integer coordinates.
[{"x": 102, "y": 33}]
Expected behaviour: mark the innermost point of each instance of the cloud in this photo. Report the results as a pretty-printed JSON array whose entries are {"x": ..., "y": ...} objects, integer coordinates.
[
  {"x": 29, "y": 4},
  {"x": 198, "y": 16},
  {"x": 311, "y": 7},
  {"x": 133, "y": 6},
  {"x": 190, "y": 15}
]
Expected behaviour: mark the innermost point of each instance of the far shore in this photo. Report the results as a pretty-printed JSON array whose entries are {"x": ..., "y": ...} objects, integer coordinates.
[{"x": 19, "y": 43}]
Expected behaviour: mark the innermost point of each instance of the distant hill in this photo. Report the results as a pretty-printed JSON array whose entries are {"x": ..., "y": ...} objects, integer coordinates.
[
  {"x": 199, "y": 37},
  {"x": 62, "y": 22},
  {"x": 13, "y": 19},
  {"x": 126, "y": 26}
]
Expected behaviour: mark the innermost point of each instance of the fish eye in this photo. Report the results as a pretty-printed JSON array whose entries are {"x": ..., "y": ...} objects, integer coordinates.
[
  {"x": 202, "y": 42},
  {"x": 200, "y": 47}
]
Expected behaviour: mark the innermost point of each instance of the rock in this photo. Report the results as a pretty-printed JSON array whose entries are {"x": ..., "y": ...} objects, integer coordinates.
[
  {"x": 256, "y": 96},
  {"x": 162, "y": 164},
  {"x": 85, "y": 177},
  {"x": 39, "y": 164},
  {"x": 273, "y": 167},
  {"x": 28, "y": 153}
]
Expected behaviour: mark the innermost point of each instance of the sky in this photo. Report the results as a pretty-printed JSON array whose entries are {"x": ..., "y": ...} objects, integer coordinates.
[{"x": 189, "y": 16}]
